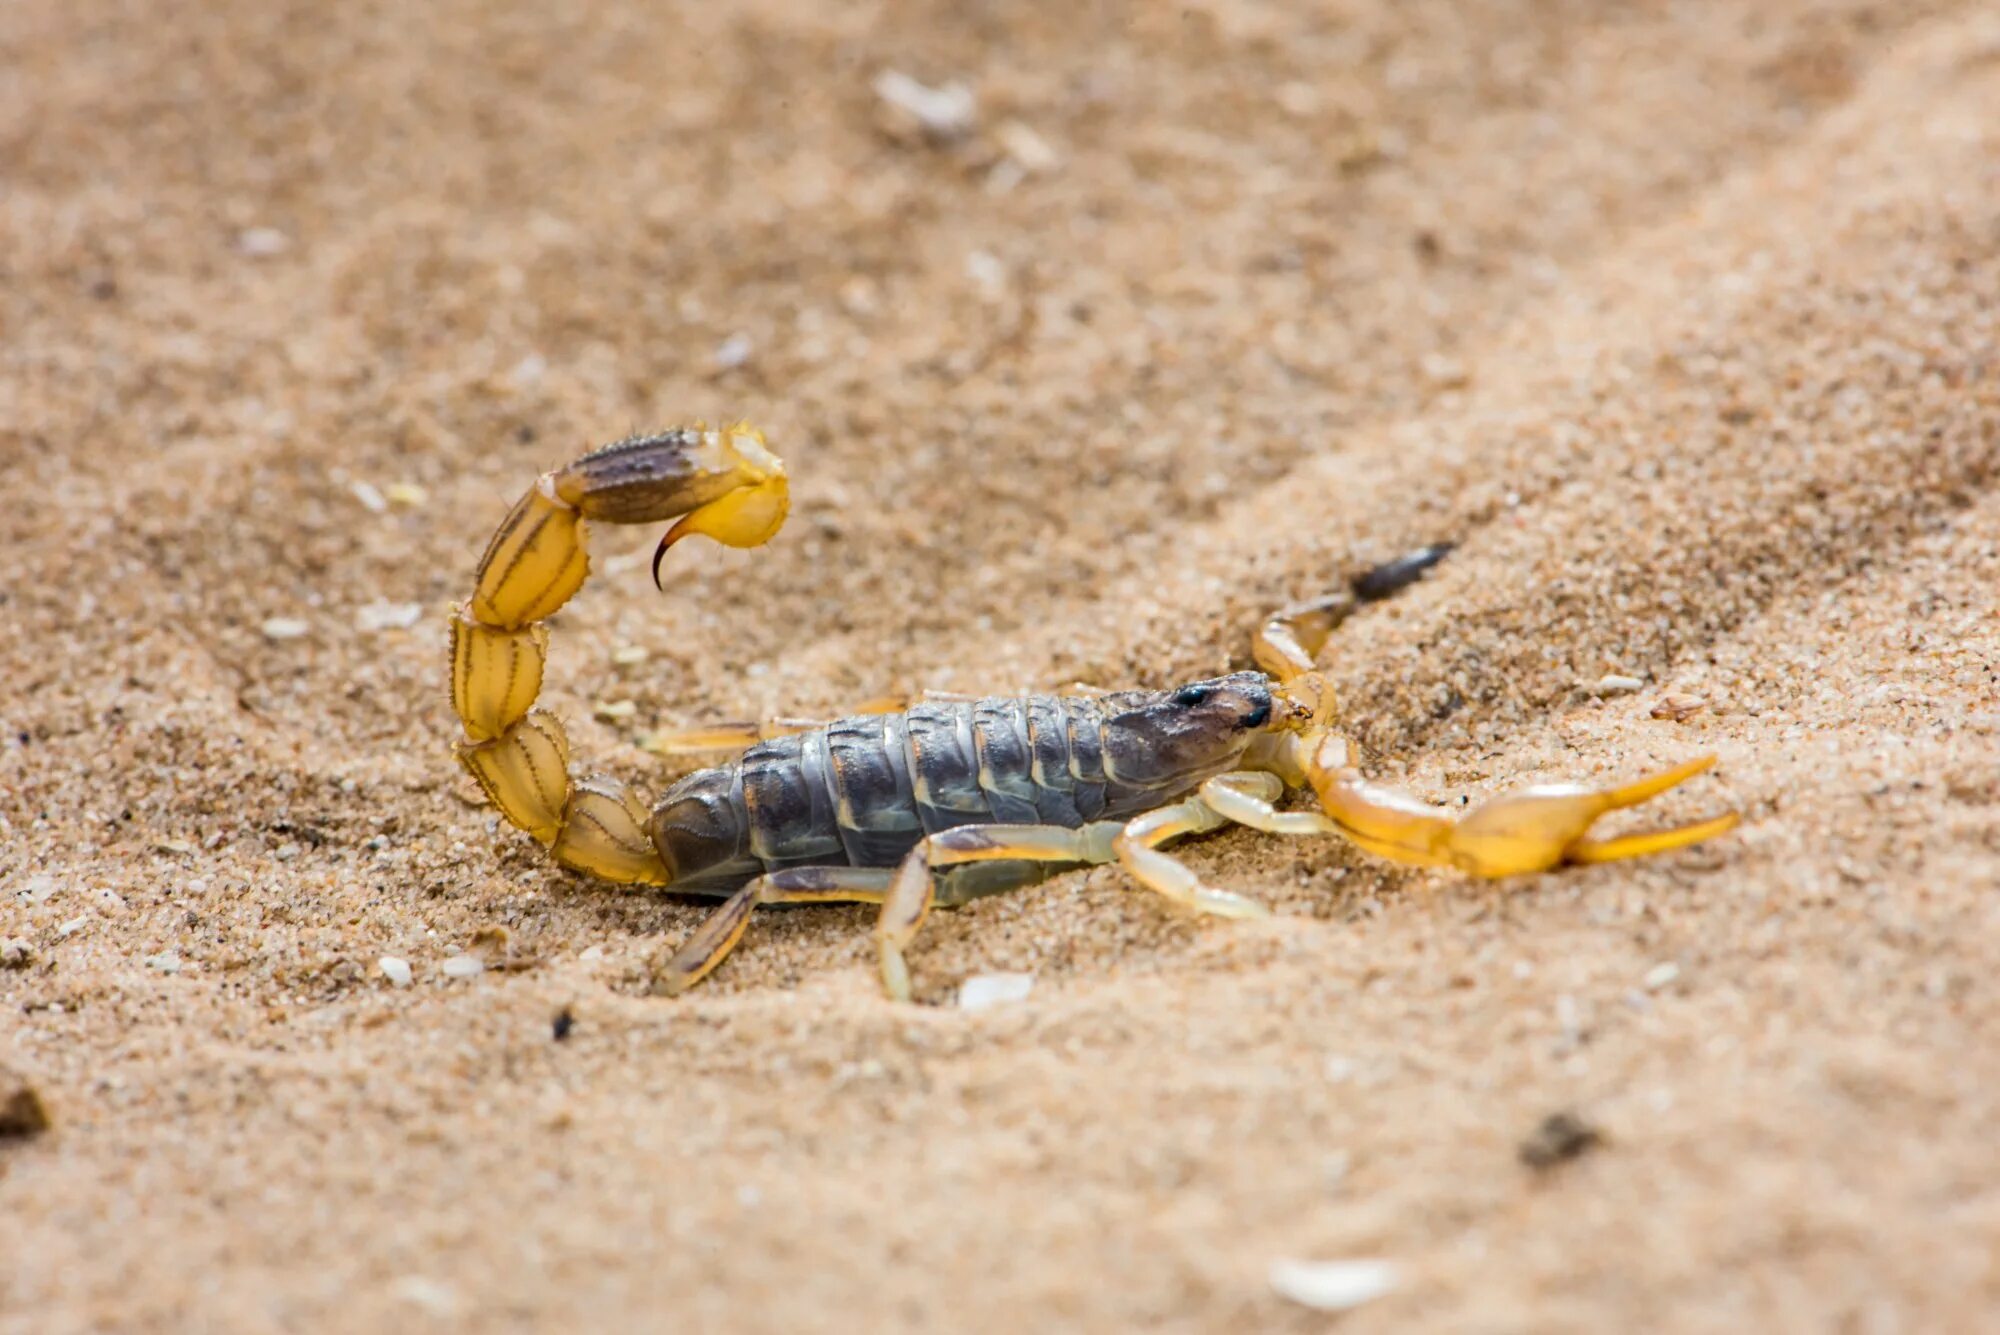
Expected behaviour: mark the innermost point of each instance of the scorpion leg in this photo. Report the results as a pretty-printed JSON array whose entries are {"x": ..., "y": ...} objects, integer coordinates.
[
  {"x": 741, "y": 734},
  {"x": 1138, "y": 848},
  {"x": 719, "y": 932},
  {"x": 1534, "y": 830},
  {"x": 1248, "y": 797},
  {"x": 914, "y": 888}
]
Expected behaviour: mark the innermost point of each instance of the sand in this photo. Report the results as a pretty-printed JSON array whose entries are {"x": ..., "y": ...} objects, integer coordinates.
[{"x": 1683, "y": 321}]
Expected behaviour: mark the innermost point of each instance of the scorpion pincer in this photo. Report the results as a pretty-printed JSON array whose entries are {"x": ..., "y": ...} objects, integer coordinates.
[{"x": 944, "y": 801}]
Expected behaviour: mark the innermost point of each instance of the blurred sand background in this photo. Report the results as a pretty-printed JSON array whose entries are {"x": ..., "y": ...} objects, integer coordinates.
[{"x": 1682, "y": 319}]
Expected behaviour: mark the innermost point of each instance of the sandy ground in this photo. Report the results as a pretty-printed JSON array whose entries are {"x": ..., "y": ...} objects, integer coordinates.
[{"x": 1683, "y": 320}]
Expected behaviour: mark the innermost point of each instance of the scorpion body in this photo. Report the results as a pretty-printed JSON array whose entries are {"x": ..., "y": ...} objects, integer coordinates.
[
  {"x": 863, "y": 791},
  {"x": 943, "y": 801}
]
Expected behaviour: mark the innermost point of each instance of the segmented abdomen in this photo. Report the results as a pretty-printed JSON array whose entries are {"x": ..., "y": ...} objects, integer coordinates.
[{"x": 864, "y": 790}]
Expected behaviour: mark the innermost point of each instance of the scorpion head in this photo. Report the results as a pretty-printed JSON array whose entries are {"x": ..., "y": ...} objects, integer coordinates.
[{"x": 1188, "y": 734}]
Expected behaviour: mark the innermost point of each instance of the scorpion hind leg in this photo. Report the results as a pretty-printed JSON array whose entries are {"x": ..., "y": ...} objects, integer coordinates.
[
  {"x": 719, "y": 932},
  {"x": 741, "y": 734}
]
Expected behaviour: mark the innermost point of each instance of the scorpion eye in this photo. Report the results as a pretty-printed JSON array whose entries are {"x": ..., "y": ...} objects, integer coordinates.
[{"x": 1192, "y": 697}]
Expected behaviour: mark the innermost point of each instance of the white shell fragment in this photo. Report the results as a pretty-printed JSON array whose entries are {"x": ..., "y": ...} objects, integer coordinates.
[
  {"x": 388, "y": 616},
  {"x": 1616, "y": 683},
  {"x": 464, "y": 966},
  {"x": 943, "y": 113},
  {"x": 285, "y": 628},
  {"x": 984, "y": 990},
  {"x": 1333, "y": 1286},
  {"x": 733, "y": 352},
  {"x": 395, "y": 970}
]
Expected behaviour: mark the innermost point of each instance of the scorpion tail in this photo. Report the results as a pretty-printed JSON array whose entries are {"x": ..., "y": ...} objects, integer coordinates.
[{"x": 725, "y": 484}]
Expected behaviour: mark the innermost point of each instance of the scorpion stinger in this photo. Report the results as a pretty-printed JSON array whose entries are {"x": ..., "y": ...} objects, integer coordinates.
[{"x": 943, "y": 800}]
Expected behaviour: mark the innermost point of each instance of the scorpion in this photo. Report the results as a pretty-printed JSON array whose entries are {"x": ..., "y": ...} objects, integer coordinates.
[{"x": 942, "y": 801}]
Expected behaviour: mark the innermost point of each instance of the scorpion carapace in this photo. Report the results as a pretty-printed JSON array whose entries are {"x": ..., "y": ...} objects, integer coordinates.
[{"x": 944, "y": 800}]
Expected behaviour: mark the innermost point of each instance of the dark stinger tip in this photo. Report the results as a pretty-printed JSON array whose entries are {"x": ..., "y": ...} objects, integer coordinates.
[
  {"x": 1392, "y": 577},
  {"x": 659, "y": 554}
]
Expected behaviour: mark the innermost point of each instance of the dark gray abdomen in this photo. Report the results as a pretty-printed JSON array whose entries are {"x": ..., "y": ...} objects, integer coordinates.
[{"x": 864, "y": 790}]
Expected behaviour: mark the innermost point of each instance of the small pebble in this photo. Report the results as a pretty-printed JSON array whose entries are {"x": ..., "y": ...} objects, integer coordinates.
[
  {"x": 285, "y": 628},
  {"x": 397, "y": 971},
  {"x": 260, "y": 243},
  {"x": 464, "y": 966},
  {"x": 613, "y": 711},
  {"x": 1614, "y": 683},
  {"x": 1028, "y": 149},
  {"x": 1333, "y": 1286},
  {"x": 984, "y": 990},
  {"x": 1444, "y": 372},
  {"x": 370, "y": 497},
  {"x": 406, "y": 493},
  {"x": 629, "y": 655},
  {"x": 22, "y": 1112},
  {"x": 986, "y": 270},
  {"x": 1660, "y": 975},
  {"x": 1298, "y": 99},
  {"x": 1678, "y": 707},
  {"x": 427, "y": 1295},
  {"x": 1559, "y": 1138},
  {"x": 564, "y": 1024}
]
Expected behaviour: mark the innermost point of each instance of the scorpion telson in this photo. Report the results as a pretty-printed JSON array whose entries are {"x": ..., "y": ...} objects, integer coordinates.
[{"x": 945, "y": 800}]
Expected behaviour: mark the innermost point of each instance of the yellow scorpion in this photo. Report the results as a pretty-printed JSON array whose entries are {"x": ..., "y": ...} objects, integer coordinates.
[{"x": 944, "y": 800}]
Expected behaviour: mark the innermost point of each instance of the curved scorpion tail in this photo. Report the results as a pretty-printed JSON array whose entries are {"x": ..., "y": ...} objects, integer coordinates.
[{"x": 725, "y": 484}]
